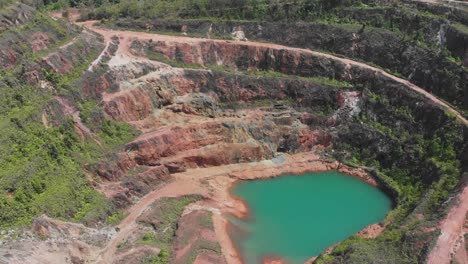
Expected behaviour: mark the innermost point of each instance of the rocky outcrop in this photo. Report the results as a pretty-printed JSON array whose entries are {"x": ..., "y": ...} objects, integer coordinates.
[
  {"x": 252, "y": 102},
  {"x": 73, "y": 53},
  {"x": 15, "y": 15},
  {"x": 148, "y": 180},
  {"x": 59, "y": 242},
  {"x": 130, "y": 105},
  {"x": 138, "y": 101},
  {"x": 34, "y": 37},
  {"x": 457, "y": 43},
  {"x": 379, "y": 46}
]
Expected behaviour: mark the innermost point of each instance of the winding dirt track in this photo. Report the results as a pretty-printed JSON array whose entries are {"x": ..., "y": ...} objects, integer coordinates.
[
  {"x": 128, "y": 35},
  {"x": 189, "y": 185},
  {"x": 127, "y": 226}
]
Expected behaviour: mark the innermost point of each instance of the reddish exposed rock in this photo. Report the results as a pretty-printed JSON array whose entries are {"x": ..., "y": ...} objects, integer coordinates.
[
  {"x": 107, "y": 171},
  {"x": 48, "y": 227},
  {"x": 175, "y": 166},
  {"x": 59, "y": 63},
  {"x": 221, "y": 154},
  {"x": 32, "y": 77},
  {"x": 148, "y": 180},
  {"x": 124, "y": 162},
  {"x": 8, "y": 57},
  {"x": 154, "y": 175},
  {"x": 39, "y": 41},
  {"x": 182, "y": 107},
  {"x": 371, "y": 231},
  {"x": 73, "y": 53},
  {"x": 130, "y": 105},
  {"x": 149, "y": 148},
  {"x": 113, "y": 167},
  {"x": 185, "y": 86},
  {"x": 93, "y": 84},
  {"x": 121, "y": 200}
]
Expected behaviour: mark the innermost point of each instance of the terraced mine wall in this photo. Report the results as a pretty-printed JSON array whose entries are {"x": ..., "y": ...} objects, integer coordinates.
[
  {"x": 226, "y": 102},
  {"x": 384, "y": 48},
  {"x": 417, "y": 147}
]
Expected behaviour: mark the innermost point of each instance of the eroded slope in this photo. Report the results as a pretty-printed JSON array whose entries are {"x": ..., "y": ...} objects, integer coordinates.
[{"x": 213, "y": 111}]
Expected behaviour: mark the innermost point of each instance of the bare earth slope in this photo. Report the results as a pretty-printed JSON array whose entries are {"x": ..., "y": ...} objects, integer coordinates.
[
  {"x": 184, "y": 151},
  {"x": 451, "y": 227},
  {"x": 125, "y": 35}
]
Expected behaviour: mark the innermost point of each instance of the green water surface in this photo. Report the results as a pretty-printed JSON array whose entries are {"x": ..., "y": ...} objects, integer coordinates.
[{"x": 297, "y": 217}]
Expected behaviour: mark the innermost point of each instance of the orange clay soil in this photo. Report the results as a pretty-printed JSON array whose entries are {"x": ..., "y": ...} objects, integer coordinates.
[
  {"x": 214, "y": 183},
  {"x": 452, "y": 231},
  {"x": 126, "y": 38}
]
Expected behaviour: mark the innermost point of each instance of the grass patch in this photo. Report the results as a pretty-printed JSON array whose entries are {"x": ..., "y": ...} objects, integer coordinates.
[
  {"x": 460, "y": 27},
  {"x": 41, "y": 168},
  {"x": 163, "y": 217},
  {"x": 156, "y": 56},
  {"x": 162, "y": 258}
]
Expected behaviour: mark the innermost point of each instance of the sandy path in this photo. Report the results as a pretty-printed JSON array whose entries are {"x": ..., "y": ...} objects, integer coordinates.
[
  {"x": 176, "y": 188},
  {"x": 127, "y": 36},
  {"x": 460, "y": 255},
  {"x": 122, "y": 55},
  {"x": 214, "y": 183},
  {"x": 451, "y": 230}
]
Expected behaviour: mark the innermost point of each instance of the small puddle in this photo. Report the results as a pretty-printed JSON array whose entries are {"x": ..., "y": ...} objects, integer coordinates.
[{"x": 297, "y": 217}]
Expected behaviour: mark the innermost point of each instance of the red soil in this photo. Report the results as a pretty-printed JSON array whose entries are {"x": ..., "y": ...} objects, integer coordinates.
[{"x": 451, "y": 231}]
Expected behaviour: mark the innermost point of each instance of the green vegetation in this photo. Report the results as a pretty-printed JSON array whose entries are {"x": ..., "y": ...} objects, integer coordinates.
[
  {"x": 41, "y": 160},
  {"x": 41, "y": 166},
  {"x": 162, "y": 258},
  {"x": 156, "y": 56},
  {"x": 163, "y": 217},
  {"x": 238, "y": 9},
  {"x": 462, "y": 28},
  {"x": 38, "y": 170},
  {"x": 319, "y": 79},
  {"x": 5, "y": 3},
  {"x": 190, "y": 237},
  {"x": 375, "y": 22},
  {"x": 420, "y": 169},
  {"x": 201, "y": 246}
]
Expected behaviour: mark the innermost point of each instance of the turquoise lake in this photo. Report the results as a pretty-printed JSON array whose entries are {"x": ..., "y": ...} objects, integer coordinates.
[{"x": 297, "y": 217}]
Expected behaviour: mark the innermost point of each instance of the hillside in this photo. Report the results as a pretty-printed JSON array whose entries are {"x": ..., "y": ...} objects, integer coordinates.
[{"x": 124, "y": 125}]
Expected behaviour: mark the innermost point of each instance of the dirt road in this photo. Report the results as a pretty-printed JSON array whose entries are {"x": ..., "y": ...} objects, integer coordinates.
[
  {"x": 189, "y": 183},
  {"x": 451, "y": 230},
  {"x": 127, "y": 36},
  {"x": 176, "y": 188}
]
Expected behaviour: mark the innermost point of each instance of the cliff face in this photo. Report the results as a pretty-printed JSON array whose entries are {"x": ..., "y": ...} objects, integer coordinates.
[
  {"x": 246, "y": 105},
  {"x": 73, "y": 53},
  {"x": 382, "y": 47},
  {"x": 127, "y": 113},
  {"x": 207, "y": 93}
]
